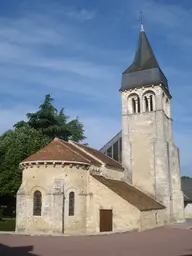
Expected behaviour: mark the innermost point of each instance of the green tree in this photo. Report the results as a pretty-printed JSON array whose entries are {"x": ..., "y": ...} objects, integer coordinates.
[
  {"x": 53, "y": 123},
  {"x": 30, "y": 136},
  {"x": 45, "y": 118},
  {"x": 75, "y": 127},
  {"x": 186, "y": 178},
  {"x": 15, "y": 146}
]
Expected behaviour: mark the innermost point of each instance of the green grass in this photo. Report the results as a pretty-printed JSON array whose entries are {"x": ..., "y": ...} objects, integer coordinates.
[{"x": 7, "y": 224}]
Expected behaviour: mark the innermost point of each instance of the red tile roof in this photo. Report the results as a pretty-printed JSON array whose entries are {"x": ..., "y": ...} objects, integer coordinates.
[
  {"x": 80, "y": 152},
  {"x": 101, "y": 156},
  {"x": 59, "y": 150},
  {"x": 131, "y": 194}
]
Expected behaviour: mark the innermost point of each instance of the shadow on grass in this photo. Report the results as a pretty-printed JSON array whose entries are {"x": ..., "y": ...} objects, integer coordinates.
[{"x": 16, "y": 251}]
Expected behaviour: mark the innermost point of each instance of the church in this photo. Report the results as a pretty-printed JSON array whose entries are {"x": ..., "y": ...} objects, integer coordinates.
[{"x": 132, "y": 184}]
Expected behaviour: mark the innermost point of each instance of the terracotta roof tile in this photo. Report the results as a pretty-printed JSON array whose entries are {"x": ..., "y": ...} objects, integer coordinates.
[
  {"x": 101, "y": 156},
  {"x": 80, "y": 152},
  {"x": 58, "y": 151},
  {"x": 134, "y": 196}
]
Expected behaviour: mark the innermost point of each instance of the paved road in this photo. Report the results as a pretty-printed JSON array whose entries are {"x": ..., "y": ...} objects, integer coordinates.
[{"x": 156, "y": 242}]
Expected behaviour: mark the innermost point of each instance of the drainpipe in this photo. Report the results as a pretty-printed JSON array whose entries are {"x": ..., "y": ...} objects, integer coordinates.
[{"x": 63, "y": 211}]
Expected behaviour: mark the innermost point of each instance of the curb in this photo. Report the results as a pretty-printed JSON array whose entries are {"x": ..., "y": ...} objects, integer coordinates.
[{"x": 64, "y": 235}]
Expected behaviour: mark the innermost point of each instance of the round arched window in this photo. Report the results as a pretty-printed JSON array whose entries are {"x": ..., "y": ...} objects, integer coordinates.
[
  {"x": 71, "y": 203},
  {"x": 37, "y": 203}
]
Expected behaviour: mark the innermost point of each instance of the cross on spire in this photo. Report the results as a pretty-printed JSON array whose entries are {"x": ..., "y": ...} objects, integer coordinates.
[
  {"x": 144, "y": 69},
  {"x": 141, "y": 20}
]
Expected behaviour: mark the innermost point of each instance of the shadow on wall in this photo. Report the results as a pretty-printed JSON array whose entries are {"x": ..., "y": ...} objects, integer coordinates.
[{"x": 14, "y": 251}]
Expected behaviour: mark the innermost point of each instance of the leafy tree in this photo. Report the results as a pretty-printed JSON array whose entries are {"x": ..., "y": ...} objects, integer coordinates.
[
  {"x": 53, "y": 123},
  {"x": 45, "y": 117},
  {"x": 30, "y": 136},
  {"x": 186, "y": 178},
  {"x": 16, "y": 145},
  {"x": 75, "y": 127}
]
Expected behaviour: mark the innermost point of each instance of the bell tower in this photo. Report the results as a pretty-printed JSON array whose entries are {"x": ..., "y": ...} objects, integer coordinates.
[{"x": 149, "y": 154}]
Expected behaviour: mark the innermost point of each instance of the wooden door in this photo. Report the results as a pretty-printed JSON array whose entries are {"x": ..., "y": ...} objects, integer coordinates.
[{"x": 106, "y": 220}]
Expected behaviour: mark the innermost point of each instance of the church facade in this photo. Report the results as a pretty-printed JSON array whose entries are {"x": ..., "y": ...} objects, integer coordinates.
[{"x": 132, "y": 183}]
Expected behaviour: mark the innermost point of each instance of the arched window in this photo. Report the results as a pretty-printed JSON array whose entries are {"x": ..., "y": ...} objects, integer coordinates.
[
  {"x": 71, "y": 203},
  {"x": 156, "y": 218},
  {"x": 163, "y": 102},
  {"x": 146, "y": 104},
  {"x": 149, "y": 101},
  {"x": 134, "y": 105},
  {"x": 167, "y": 108},
  {"x": 37, "y": 203},
  {"x": 138, "y": 105}
]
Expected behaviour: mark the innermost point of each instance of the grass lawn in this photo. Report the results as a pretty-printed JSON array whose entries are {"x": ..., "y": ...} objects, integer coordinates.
[{"x": 7, "y": 224}]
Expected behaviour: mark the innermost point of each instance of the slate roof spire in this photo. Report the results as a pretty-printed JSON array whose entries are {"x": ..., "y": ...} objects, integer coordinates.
[
  {"x": 145, "y": 69},
  {"x": 142, "y": 27},
  {"x": 144, "y": 55}
]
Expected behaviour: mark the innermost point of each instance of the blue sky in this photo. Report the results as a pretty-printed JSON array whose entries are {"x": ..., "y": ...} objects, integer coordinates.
[{"x": 77, "y": 50}]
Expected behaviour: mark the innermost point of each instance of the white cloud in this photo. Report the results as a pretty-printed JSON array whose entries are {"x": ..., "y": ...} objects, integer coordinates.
[
  {"x": 81, "y": 14},
  {"x": 172, "y": 19},
  {"x": 80, "y": 67},
  {"x": 23, "y": 59},
  {"x": 38, "y": 48},
  {"x": 22, "y": 55},
  {"x": 34, "y": 30},
  {"x": 98, "y": 129},
  {"x": 11, "y": 116},
  {"x": 170, "y": 16}
]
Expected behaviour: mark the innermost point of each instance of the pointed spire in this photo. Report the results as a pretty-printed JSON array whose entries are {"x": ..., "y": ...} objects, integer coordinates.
[
  {"x": 144, "y": 56},
  {"x": 145, "y": 68},
  {"x": 142, "y": 27}
]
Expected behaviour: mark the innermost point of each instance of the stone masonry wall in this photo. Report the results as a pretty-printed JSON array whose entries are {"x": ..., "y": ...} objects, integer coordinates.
[
  {"x": 55, "y": 184},
  {"x": 148, "y": 152},
  {"x": 152, "y": 219},
  {"x": 177, "y": 194},
  {"x": 125, "y": 215},
  {"x": 112, "y": 174}
]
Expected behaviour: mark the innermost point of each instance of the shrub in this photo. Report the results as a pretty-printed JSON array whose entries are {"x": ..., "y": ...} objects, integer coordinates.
[{"x": 8, "y": 224}]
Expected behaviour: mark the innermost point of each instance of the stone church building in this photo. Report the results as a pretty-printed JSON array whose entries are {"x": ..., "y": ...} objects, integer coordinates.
[{"x": 132, "y": 183}]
